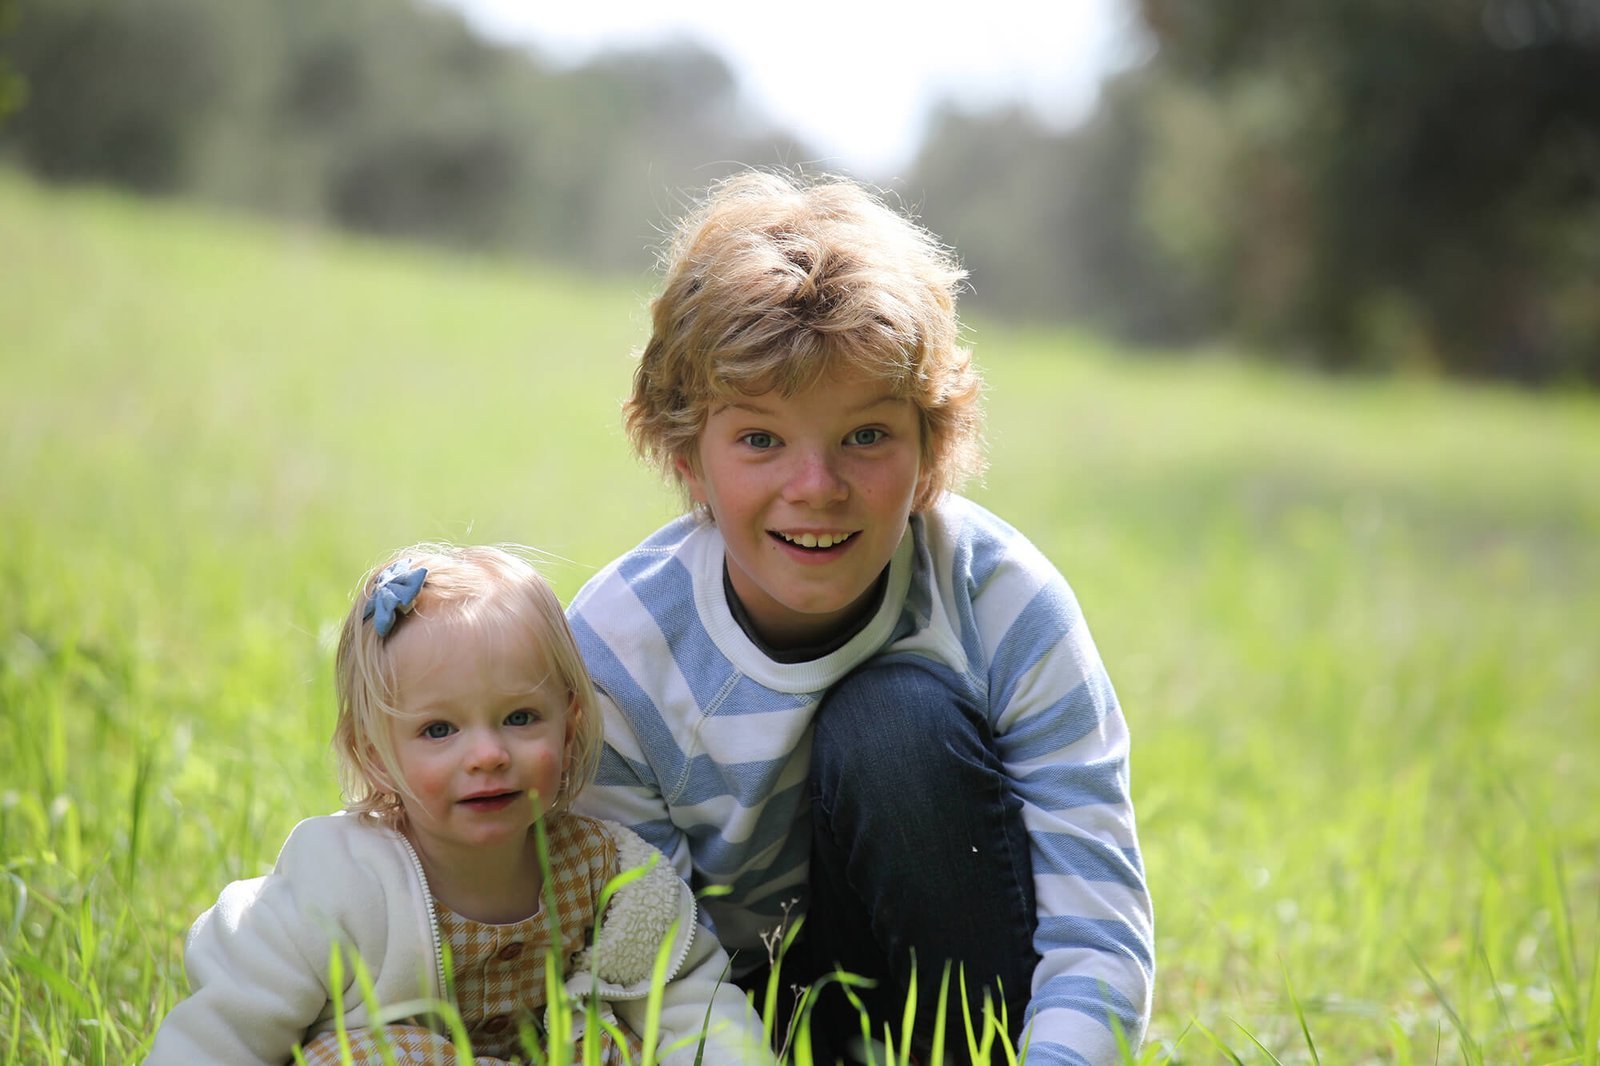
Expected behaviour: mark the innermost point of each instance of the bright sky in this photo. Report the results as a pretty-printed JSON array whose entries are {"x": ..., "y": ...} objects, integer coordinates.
[{"x": 857, "y": 79}]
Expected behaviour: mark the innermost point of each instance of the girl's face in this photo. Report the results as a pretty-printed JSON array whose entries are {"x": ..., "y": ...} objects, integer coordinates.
[{"x": 481, "y": 736}]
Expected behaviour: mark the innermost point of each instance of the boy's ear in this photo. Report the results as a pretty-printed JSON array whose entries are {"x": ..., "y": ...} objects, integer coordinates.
[
  {"x": 924, "y": 479},
  {"x": 691, "y": 479}
]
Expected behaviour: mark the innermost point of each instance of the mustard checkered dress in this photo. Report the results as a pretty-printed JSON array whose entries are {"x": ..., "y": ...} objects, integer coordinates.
[{"x": 499, "y": 981}]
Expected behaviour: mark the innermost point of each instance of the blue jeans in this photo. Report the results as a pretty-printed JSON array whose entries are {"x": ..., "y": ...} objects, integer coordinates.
[{"x": 919, "y": 856}]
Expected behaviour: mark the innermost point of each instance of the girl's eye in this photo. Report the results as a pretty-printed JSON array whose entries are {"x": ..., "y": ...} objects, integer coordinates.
[
  {"x": 866, "y": 436},
  {"x": 437, "y": 730},
  {"x": 760, "y": 441},
  {"x": 520, "y": 718}
]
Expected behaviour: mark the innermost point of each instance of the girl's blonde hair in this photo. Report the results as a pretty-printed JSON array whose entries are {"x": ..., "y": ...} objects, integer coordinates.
[
  {"x": 779, "y": 283},
  {"x": 482, "y": 589}
]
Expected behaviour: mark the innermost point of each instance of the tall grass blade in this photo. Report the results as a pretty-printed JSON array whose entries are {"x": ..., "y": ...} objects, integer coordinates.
[
  {"x": 1257, "y": 1042},
  {"x": 1216, "y": 1041},
  {"x": 940, "y": 1015},
  {"x": 1300, "y": 1014},
  {"x": 1500, "y": 1002},
  {"x": 138, "y": 794},
  {"x": 1591, "y": 1017},
  {"x": 1469, "y": 1045},
  {"x": 58, "y": 983}
]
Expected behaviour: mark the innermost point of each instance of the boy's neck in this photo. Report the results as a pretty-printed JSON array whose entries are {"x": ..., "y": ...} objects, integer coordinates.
[
  {"x": 495, "y": 886},
  {"x": 813, "y": 649}
]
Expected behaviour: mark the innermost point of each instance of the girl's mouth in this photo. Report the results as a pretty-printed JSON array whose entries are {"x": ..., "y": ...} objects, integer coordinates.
[{"x": 491, "y": 802}]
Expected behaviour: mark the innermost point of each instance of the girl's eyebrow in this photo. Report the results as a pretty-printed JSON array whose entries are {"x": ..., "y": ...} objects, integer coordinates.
[{"x": 418, "y": 715}]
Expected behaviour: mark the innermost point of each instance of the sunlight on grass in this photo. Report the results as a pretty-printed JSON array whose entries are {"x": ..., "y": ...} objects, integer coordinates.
[{"x": 1352, "y": 623}]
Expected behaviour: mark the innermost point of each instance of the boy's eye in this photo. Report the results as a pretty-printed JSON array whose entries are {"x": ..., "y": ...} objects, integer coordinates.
[
  {"x": 760, "y": 441},
  {"x": 521, "y": 718},
  {"x": 866, "y": 436},
  {"x": 437, "y": 730}
]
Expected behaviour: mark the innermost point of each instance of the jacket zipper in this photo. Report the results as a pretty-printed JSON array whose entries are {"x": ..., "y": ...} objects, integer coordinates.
[{"x": 433, "y": 915}]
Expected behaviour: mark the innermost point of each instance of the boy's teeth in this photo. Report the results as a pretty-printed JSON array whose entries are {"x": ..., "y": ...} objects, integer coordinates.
[{"x": 813, "y": 540}]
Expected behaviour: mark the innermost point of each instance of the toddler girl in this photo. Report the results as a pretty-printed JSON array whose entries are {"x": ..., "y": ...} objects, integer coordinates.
[{"x": 465, "y": 718}]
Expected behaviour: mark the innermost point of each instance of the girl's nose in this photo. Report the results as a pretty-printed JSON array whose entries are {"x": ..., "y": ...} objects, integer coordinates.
[
  {"x": 815, "y": 480},
  {"x": 488, "y": 751}
]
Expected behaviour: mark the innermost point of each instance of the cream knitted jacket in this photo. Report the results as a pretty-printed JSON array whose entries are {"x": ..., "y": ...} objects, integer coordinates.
[{"x": 258, "y": 960}]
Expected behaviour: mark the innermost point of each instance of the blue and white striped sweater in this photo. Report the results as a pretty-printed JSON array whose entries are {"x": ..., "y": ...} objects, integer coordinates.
[{"x": 708, "y": 744}]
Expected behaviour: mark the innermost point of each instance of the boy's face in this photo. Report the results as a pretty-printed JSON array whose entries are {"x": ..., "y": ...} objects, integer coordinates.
[{"x": 812, "y": 494}]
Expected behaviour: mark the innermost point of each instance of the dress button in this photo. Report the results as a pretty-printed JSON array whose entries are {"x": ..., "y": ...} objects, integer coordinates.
[
  {"x": 509, "y": 952},
  {"x": 495, "y": 1024}
]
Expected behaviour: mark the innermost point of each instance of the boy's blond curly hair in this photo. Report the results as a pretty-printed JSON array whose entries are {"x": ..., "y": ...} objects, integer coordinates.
[{"x": 777, "y": 283}]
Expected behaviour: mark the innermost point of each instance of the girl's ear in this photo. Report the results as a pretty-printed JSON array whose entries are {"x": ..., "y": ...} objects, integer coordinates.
[
  {"x": 380, "y": 774},
  {"x": 574, "y": 709}
]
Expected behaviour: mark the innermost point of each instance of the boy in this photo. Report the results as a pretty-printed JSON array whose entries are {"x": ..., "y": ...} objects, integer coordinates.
[{"x": 838, "y": 688}]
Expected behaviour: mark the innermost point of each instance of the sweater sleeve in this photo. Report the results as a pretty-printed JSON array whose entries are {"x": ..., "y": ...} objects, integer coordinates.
[
  {"x": 258, "y": 961},
  {"x": 1063, "y": 739},
  {"x": 625, "y": 790},
  {"x": 254, "y": 988}
]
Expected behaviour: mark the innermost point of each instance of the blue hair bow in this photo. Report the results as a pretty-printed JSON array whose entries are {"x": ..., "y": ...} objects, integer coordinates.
[{"x": 394, "y": 594}]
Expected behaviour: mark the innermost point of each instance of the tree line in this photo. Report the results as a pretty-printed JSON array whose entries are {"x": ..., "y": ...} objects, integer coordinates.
[
  {"x": 1372, "y": 185},
  {"x": 383, "y": 116}
]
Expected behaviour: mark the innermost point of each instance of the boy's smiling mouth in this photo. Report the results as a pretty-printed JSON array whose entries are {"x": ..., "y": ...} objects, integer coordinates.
[{"x": 813, "y": 541}]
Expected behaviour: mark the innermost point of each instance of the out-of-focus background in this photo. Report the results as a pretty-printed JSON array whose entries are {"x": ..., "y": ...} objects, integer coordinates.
[
  {"x": 1374, "y": 184},
  {"x": 1289, "y": 317}
]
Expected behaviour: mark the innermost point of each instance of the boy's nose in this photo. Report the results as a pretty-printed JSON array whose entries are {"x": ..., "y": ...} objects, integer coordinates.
[{"x": 815, "y": 481}]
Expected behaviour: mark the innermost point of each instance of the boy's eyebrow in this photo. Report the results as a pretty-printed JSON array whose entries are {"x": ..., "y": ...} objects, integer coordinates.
[{"x": 755, "y": 408}]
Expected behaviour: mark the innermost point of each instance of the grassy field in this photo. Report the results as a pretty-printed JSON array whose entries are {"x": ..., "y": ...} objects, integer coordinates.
[{"x": 1353, "y": 624}]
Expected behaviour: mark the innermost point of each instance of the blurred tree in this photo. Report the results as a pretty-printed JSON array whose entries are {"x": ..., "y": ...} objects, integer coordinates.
[
  {"x": 620, "y": 135},
  {"x": 388, "y": 116},
  {"x": 640, "y": 131},
  {"x": 1433, "y": 169},
  {"x": 11, "y": 85},
  {"x": 1054, "y": 225},
  {"x": 1376, "y": 184},
  {"x": 402, "y": 121},
  {"x": 115, "y": 91}
]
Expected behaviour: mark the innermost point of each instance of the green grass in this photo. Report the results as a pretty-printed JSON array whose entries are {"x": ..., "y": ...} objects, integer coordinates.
[{"x": 1353, "y": 624}]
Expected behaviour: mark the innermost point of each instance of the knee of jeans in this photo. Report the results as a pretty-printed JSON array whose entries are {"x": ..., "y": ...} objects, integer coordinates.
[{"x": 907, "y": 712}]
